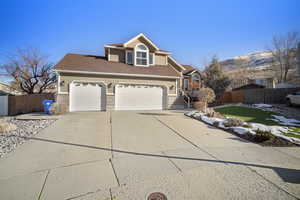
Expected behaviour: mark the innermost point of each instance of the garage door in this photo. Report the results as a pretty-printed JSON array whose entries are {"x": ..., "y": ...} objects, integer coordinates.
[
  {"x": 138, "y": 97},
  {"x": 85, "y": 96}
]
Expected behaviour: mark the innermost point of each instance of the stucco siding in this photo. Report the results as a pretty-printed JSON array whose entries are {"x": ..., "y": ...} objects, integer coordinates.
[
  {"x": 117, "y": 55},
  {"x": 111, "y": 81},
  {"x": 160, "y": 59}
]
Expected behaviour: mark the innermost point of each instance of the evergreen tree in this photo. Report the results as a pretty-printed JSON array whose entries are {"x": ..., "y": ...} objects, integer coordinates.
[{"x": 215, "y": 78}]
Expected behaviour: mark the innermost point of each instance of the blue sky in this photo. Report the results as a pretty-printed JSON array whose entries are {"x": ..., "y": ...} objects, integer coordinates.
[{"x": 193, "y": 30}]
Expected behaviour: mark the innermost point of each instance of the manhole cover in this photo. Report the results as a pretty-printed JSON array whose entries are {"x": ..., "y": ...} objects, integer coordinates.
[{"x": 157, "y": 196}]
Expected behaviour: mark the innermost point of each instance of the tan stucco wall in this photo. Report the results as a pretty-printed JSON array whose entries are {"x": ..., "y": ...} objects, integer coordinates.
[
  {"x": 117, "y": 55},
  {"x": 112, "y": 80},
  {"x": 160, "y": 59}
]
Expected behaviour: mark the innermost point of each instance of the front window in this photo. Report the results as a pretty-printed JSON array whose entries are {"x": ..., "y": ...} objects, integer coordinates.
[
  {"x": 141, "y": 55},
  {"x": 195, "y": 81},
  {"x": 186, "y": 84}
]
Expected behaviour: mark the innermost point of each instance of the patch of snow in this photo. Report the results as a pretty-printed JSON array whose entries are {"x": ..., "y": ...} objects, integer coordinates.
[
  {"x": 242, "y": 130},
  {"x": 262, "y": 105},
  {"x": 285, "y": 121}
]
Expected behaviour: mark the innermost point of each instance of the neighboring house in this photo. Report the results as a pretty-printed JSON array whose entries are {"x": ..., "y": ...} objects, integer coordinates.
[
  {"x": 135, "y": 75},
  {"x": 249, "y": 86},
  {"x": 6, "y": 89}
]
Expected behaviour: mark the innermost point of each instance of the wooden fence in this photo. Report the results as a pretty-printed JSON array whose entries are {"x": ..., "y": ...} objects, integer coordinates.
[
  {"x": 252, "y": 96},
  {"x": 27, "y": 103}
]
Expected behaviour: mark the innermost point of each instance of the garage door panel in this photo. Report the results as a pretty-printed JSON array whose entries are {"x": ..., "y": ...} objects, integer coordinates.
[
  {"x": 85, "y": 97},
  {"x": 135, "y": 97}
]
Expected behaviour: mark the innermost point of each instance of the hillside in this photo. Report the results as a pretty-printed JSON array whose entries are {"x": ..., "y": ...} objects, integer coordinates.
[{"x": 256, "y": 61}]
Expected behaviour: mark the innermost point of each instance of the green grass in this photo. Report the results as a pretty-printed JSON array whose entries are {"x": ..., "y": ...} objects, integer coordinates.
[
  {"x": 292, "y": 135},
  {"x": 248, "y": 114},
  {"x": 294, "y": 129}
]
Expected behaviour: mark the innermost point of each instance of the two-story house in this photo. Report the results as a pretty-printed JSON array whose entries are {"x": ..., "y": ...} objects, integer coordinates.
[{"x": 135, "y": 75}]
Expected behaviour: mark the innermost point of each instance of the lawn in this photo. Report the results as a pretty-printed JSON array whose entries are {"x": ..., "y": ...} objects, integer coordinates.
[
  {"x": 248, "y": 114},
  {"x": 255, "y": 115}
]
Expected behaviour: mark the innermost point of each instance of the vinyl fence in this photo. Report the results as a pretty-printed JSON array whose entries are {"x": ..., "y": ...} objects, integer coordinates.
[
  {"x": 27, "y": 103},
  {"x": 252, "y": 96}
]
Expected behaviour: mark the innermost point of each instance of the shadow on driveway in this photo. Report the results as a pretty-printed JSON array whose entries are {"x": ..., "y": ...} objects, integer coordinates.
[{"x": 287, "y": 175}]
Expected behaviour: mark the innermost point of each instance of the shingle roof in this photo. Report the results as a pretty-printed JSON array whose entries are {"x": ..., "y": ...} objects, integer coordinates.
[
  {"x": 92, "y": 63},
  {"x": 188, "y": 69}
]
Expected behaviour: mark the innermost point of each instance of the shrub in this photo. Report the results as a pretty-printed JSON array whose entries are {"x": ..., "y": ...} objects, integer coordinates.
[
  {"x": 262, "y": 136},
  {"x": 57, "y": 109},
  {"x": 233, "y": 122},
  {"x": 201, "y": 106},
  {"x": 206, "y": 95},
  {"x": 213, "y": 113},
  {"x": 216, "y": 123},
  {"x": 7, "y": 127},
  {"x": 247, "y": 126}
]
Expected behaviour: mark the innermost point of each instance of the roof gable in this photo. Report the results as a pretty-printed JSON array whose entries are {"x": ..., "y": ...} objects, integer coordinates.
[{"x": 141, "y": 38}]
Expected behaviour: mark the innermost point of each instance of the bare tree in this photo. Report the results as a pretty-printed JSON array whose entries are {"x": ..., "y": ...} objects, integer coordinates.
[
  {"x": 283, "y": 49},
  {"x": 31, "y": 72}
]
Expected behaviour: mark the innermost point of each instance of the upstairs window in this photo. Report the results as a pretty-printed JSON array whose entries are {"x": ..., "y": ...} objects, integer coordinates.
[
  {"x": 141, "y": 55},
  {"x": 129, "y": 57},
  {"x": 195, "y": 78}
]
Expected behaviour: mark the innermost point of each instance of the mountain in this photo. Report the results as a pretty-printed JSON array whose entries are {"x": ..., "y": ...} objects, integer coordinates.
[{"x": 256, "y": 61}]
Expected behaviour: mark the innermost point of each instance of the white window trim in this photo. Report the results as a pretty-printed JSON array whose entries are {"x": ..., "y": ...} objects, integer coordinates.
[
  {"x": 147, "y": 55},
  {"x": 132, "y": 57},
  {"x": 153, "y": 56}
]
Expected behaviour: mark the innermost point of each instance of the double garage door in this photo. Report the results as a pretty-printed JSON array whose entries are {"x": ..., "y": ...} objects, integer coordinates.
[
  {"x": 92, "y": 97},
  {"x": 138, "y": 97}
]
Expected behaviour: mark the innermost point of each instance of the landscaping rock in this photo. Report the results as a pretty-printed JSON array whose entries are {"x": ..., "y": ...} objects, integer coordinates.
[{"x": 23, "y": 128}]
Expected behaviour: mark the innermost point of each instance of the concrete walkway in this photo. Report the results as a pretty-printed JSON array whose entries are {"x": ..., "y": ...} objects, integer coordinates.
[{"x": 130, "y": 154}]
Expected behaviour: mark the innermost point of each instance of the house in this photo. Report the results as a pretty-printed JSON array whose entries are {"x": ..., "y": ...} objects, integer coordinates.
[
  {"x": 6, "y": 89},
  {"x": 135, "y": 75},
  {"x": 249, "y": 86}
]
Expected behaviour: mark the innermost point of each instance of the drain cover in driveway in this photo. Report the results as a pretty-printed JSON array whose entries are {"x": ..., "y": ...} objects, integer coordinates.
[{"x": 157, "y": 196}]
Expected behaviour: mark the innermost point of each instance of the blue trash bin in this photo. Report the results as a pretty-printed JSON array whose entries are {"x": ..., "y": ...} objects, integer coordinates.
[{"x": 47, "y": 104}]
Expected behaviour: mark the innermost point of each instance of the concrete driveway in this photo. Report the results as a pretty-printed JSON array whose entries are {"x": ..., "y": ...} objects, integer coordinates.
[{"x": 130, "y": 154}]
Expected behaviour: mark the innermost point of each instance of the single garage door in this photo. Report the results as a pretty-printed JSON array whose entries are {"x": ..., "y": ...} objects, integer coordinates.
[
  {"x": 85, "y": 96},
  {"x": 138, "y": 97}
]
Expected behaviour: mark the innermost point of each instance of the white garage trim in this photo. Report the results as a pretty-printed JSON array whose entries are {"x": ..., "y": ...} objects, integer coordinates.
[
  {"x": 103, "y": 93},
  {"x": 129, "y": 96}
]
